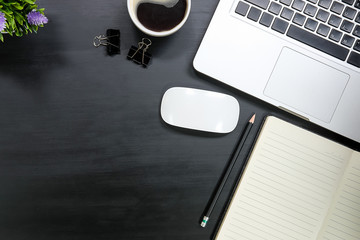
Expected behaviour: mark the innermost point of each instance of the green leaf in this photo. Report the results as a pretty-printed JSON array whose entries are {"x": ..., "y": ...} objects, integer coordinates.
[
  {"x": 27, "y": 27},
  {"x": 24, "y": 29},
  {"x": 7, "y": 11},
  {"x": 29, "y": 8},
  {"x": 1, "y": 37},
  {"x": 18, "y": 6},
  {"x": 34, "y": 28},
  {"x": 19, "y": 18},
  {"x": 12, "y": 23},
  {"x": 29, "y": 1},
  {"x": 18, "y": 33}
]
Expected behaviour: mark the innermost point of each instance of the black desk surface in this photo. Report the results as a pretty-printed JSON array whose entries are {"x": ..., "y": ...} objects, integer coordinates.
[{"x": 84, "y": 153}]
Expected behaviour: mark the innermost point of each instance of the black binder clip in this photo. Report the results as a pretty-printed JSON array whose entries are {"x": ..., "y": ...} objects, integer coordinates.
[
  {"x": 138, "y": 54},
  {"x": 111, "y": 41}
]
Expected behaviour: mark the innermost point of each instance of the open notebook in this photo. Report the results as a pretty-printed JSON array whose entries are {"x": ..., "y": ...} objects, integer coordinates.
[{"x": 296, "y": 185}]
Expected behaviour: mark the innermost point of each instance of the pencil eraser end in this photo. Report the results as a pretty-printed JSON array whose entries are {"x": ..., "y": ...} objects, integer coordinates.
[{"x": 204, "y": 221}]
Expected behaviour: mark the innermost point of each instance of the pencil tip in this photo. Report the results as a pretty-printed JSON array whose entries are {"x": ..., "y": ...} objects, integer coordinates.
[{"x": 252, "y": 120}]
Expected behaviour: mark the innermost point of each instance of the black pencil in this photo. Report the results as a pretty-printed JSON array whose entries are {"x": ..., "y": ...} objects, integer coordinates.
[{"x": 233, "y": 158}]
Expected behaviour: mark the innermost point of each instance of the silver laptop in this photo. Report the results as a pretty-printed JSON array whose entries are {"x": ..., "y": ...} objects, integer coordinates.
[{"x": 300, "y": 55}]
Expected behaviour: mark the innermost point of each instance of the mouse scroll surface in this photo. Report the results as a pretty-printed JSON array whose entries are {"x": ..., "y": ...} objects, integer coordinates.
[{"x": 200, "y": 110}]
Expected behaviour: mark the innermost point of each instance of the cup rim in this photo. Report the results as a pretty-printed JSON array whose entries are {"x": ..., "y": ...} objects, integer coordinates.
[{"x": 154, "y": 33}]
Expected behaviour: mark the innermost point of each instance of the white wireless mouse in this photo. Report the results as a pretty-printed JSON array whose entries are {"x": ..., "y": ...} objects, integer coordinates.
[{"x": 200, "y": 110}]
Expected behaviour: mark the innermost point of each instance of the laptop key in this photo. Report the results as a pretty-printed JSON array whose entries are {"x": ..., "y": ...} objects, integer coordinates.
[
  {"x": 357, "y": 45},
  {"x": 311, "y": 24},
  {"x": 242, "y": 8},
  {"x": 279, "y": 25},
  {"x": 335, "y": 35},
  {"x": 356, "y": 31},
  {"x": 275, "y": 8},
  {"x": 310, "y": 10},
  {"x": 286, "y": 2},
  {"x": 260, "y": 3},
  {"x": 334, "y": 20},
  {"x": 266, "y": 19},
  {"x": 347, "y": 41},
  {"x": 254, "y": 14},
  {"x": 322, "y": 15},
  {"x": 349, "y": 13},
  {"x": 323, "y": 30},
  {"x": 299, "y": 19},
  {"x": 337, "y": 7},
  {"x": 347, "y": 26},
  {"x": 287, "y": 13},
  {"x": 350, "y": 2},
  {"x": 354, "y": 59},
  {"x": 317, "y": 42},
  {"x": 324, "y": 3},
  {"x": 299, "y": 5},
  {"x": 357, "y": 4}
]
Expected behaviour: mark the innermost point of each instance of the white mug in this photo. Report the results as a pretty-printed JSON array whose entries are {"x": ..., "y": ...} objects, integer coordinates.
[{"x": 159, "y": 18}]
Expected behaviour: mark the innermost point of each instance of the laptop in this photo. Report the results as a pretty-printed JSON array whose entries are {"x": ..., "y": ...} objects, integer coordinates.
[{"x": 300, "y": 55}]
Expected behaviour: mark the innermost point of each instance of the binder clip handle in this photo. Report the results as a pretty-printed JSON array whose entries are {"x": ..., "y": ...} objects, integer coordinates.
[
  {"x": 111, "y": 41},
  {"x": 139, "y": 54}
]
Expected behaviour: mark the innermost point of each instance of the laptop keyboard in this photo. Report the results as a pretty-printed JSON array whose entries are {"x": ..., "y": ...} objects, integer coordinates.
[{"x": 331, "y": 26}]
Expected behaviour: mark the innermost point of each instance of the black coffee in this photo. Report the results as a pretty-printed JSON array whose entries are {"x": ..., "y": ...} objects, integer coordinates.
[{"x": 159, "y": 18}]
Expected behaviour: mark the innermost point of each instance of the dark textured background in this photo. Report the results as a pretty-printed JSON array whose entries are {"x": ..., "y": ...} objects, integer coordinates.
[{"x": 84, "y": 153}]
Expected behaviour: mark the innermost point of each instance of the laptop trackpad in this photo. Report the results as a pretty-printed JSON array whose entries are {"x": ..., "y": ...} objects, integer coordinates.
[{"x": 306, "y": 85}]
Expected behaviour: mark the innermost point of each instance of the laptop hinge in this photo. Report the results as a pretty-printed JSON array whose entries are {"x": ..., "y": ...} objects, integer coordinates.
[{"x": 294, "y": 113}]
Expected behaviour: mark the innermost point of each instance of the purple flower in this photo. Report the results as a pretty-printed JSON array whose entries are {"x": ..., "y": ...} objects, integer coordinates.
[
  {"x": 2, "y": 21},
  {"x": 36, "y": 18}
]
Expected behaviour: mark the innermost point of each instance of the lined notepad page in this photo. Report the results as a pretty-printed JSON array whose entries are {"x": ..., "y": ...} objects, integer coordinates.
[
  {"x": 344, "y": 217},
  {"x": 287, "y": 187}
]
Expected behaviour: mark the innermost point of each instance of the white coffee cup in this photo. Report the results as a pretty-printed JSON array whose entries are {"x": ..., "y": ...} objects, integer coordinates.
[{"x": 149, "y": 23}]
